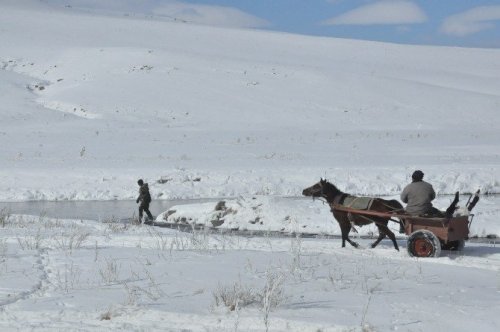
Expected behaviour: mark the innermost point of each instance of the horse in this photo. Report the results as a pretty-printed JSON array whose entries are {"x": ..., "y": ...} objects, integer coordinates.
[{"x": 334, "y": 196}]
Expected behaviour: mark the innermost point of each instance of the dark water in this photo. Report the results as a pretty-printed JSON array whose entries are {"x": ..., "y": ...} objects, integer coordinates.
[{"x": 91, "y": 210}]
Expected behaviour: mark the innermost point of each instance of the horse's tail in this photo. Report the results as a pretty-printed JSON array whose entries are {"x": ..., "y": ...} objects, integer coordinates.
[{"x": 395, "y": 206}]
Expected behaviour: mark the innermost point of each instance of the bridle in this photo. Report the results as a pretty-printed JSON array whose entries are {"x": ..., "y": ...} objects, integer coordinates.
[
  {"x": 322, "y": 196},
  {"x": 338, "y": 198}
]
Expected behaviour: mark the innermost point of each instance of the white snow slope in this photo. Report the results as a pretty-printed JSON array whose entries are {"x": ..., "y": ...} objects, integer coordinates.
[{"x": 90, "y": 103}]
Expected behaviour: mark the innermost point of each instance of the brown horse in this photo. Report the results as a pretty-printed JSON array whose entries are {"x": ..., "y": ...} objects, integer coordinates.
[{"x": 334, "y": 197}]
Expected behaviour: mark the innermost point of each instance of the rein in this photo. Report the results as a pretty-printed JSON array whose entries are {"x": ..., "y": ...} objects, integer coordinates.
[
  {"x": 322, "y": 199},
  {"x": 391, "y": 207}
]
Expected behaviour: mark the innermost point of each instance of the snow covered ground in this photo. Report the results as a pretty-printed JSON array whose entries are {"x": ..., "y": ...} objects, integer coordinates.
[
  {"x": 85, "y": 275},
  {"x": 92, "y": 102}
]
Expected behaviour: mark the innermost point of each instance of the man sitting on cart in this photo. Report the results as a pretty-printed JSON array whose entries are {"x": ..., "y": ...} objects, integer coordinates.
[{"x": 418, "y": 196}]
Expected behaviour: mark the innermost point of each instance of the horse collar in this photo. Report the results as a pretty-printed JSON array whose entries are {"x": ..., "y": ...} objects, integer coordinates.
[{"x": 339, "y": 199}]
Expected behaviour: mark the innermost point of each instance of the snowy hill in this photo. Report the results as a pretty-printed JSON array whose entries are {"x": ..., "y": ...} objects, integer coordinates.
[{"x": 93, "y": 102}]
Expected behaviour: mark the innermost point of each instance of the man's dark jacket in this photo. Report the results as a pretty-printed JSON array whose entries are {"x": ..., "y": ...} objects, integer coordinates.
[{"x": 144, "y": 196}]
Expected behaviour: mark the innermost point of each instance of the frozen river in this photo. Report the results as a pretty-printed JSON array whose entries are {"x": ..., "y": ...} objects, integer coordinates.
[{"x": 91, "y": 210}]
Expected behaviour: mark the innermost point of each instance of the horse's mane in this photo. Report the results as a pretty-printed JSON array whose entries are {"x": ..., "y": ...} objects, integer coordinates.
[{"x": 331, "y": 188}]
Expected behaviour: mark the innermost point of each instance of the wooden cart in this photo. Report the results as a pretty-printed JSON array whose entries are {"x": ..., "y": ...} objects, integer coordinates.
[{"x": 426, "y": 235}]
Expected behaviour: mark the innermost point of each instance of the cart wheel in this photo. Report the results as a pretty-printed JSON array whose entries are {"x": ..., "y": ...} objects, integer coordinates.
[
  {"x": 457, "y": 245},
  {"x": 423, "y": 243}
]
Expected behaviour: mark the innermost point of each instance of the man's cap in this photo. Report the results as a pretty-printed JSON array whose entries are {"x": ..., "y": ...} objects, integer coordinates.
[{"x": 418, "y": 175}]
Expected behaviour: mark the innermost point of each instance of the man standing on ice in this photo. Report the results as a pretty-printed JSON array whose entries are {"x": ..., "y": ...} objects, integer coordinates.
[
  {"x": 144, "y": 199},
  {"x": 418, "y": 196}
]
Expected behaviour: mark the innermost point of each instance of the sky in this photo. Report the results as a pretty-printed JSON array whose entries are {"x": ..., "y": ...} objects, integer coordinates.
[{"x": 468, "y": 23}]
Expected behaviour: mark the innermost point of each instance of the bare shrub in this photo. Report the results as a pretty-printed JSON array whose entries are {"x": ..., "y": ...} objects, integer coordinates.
[
  {"x": 235, "y": 296},
  {"x": 161, "y": 241},
  {"x": 4, "y": 216},
  {"x": 152, "y": 290},
  {"x": 31, "y": 242},
  {"x": 273, "y": 294},
  {"x": 136, "y": 293},
  {"x": 200, "y": 239},
  {"x": 69, "y": 278},
  {"x": 338, "y": 278},
  {"x": 3, "y": 248},
  {"x": 71, "y": 241},
  {"x": 238, "y": 296},
  {"x": 179, "y": 243},
  {"x": 132, "y": 294},
  {"x": 107, "y": 315},
  {"x": 110, "y": 271},
  {"x": 296, "y": 250},
  {"x": 50, "y": 223},
  {"x": 114, "y": 225}
]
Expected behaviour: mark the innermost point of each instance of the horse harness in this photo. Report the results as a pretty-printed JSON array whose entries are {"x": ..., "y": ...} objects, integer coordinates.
[{"x": 349, "y": 201}]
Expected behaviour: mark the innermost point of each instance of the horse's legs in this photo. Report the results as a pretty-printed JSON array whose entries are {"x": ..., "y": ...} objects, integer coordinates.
[
  {"x": 344, "y": 231},
  {"x": 383, "y": 231},
  {"x": 345, "y": 228},
  {"x": 381, "y": 236},
  {"x": 354, "y": 244}
]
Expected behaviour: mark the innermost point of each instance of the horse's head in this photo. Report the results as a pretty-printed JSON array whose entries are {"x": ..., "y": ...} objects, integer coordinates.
[
  {"x": 323, "y": 188},
  {"x": 316, "y": 190}
]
